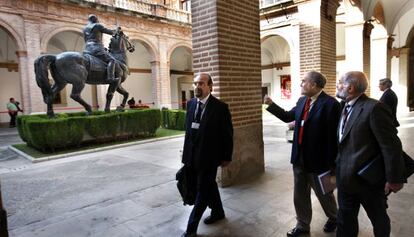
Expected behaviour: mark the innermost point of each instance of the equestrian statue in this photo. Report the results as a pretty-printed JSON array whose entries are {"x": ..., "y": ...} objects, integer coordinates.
[{"x": 96, "y": 65}]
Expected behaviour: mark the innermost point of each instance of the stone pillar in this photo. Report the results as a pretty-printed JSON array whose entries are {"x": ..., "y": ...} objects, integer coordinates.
[
  {"x": 390, "y": 41},
  {"x": 403, "y": 86},
  {"x": 366, "y": 52},
  {"x": 25, "y": 90},
  {"x": 164, "y": 73},
  {"x": 155, "y": 78},
  {"x": 27, "y": 74},
  {"x": 358, "y": 48},
  {"x": 317, "y": 39},
  {"x": 226, "y": 44},
  {"x": 353, "y": 47},
  {"x": 378, "y": 62}
]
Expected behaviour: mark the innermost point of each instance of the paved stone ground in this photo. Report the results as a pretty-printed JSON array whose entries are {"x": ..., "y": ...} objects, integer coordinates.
[{"x": 131, "y": 192}]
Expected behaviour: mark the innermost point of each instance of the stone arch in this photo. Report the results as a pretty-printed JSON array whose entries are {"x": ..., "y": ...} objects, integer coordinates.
[
  {"x": 21, "y": 45},
  {"x": 186, "y": 45},
  {"x": 266, "y": 51},
  {"x": 152, "y": 49},
  {"x": 48, "y": 35},
  {"x": 281, "y": 34}
]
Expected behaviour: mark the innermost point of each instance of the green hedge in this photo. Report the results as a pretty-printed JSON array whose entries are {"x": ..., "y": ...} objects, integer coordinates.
[
  {"x": 173, "y": 119},
  {"x": 72, "y": 129}
]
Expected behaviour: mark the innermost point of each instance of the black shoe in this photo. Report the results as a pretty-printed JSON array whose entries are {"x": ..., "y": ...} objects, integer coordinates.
[
  {"x": 330, "y": 226},
  {"x": 213, "y": 218},
  {"x": 187, "y": 234},
  {"x": 297, "y": 232}
]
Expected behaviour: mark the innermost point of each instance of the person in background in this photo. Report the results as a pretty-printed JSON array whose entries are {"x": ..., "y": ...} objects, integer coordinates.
[
  {"x": 131, "y": 103},
  {"x": 13, "y": 109},
  {"x": 389, "y": 97},
  {"x": 314, "y": 149}
]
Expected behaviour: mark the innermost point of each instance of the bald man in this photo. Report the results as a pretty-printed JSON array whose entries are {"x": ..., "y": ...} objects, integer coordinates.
[{"x": 366, "y": 133}]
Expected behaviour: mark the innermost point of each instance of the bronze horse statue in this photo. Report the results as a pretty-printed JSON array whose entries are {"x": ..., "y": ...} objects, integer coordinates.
[{"x": 79, "y": 69}]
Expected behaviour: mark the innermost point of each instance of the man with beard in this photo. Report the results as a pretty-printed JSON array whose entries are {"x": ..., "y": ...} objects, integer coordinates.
[
  {"x": 366, "y": 133},
  {"x": 314, "y": 148},
  {"x": 208, "y": 144}
]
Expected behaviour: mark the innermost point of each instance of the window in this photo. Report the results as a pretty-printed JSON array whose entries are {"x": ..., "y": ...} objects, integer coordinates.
[
  {"x": 266, "y": 3},
  {"x": 185, "y": 5}
]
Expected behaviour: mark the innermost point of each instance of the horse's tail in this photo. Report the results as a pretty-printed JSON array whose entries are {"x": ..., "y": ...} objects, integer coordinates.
[{"x": 41, "y": 66}]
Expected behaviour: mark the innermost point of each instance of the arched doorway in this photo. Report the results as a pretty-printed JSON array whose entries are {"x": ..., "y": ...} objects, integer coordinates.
[
  {"x": 9, "y": 75},
  {"x": 276, "y": 71},
  {"x": 139, "y": 83},
  {"x": 181, "y": 71}
]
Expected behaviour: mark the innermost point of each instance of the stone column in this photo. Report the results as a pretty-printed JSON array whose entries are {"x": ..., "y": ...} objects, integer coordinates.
[
  {"x": 379, "y": 63},
  {"x": 403, "y": 86},
  {"x": 390, "y": 41},
  {"x": 366, "y": 52},
  {"x": 155, "y": 77},
  {"x": 160, "y": 73},
  {"x": 317, "y": 39},
  {"x": 25, "y": 90},
  {"x": 226, "y": 44},
  {"x": 358, "y": 48},
  {"x": 164, "y": 72},
  {"x": 27, "y": 74}
]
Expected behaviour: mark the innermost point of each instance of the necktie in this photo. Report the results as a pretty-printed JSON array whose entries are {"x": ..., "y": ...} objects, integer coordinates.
[
  {"x": 345, "y": 114},
  {"x": 199, "y": 111},
  {"x": 304, "y": 117}
]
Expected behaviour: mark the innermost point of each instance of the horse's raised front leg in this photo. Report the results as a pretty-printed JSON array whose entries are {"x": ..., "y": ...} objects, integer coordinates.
[
  {"x": 76, "y": 95},
  {"x": 123, "y": 92}
]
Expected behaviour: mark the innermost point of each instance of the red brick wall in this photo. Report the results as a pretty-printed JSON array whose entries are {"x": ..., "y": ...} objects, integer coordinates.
[
  {"x": 318, "y": 45},
  {"x": 226, "y": 44}
]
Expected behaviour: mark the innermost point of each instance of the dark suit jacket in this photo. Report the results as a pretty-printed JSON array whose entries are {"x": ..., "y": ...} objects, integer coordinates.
[
  {"x": 214, "y": 140},
  {"x": 390, "y": 98},
  {"x": 369, "y": 133},
  {"x": 319, "y": 141}
]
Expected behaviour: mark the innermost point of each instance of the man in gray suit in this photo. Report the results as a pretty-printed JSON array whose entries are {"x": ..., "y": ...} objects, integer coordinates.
[{"x": 366, "y": 131}]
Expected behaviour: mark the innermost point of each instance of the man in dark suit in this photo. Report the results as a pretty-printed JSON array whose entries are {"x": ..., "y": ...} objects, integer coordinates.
[
  {"x": 366, "y": 131},
  {"x": 208, "y": 144},
  {"x": 389, "y": 97},
  {"x": 314, "y": 148}
]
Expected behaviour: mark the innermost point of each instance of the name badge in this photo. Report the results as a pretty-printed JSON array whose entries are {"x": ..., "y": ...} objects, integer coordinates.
[
  {"x": 302, "y": 123},
  {"x": 195, "y": 125}
]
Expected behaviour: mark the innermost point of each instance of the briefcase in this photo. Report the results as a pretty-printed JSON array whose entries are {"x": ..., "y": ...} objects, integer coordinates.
[
  {"x": 409, "y": 164},
  {"x": 186, "y": 186},
  {"x": 374, "y": 171}
]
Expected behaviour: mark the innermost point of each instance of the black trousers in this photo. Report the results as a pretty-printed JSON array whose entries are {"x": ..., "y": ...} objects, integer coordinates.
[
  {"x": 374, "y": 201},
  {"x": 12, "y": 119},
  {"x": 207, "y": 195}
]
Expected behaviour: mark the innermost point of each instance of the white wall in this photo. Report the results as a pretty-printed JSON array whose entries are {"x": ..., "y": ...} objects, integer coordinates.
[
  {"x": 139, "y": 86},
  {"x": 272, "y": 77}
]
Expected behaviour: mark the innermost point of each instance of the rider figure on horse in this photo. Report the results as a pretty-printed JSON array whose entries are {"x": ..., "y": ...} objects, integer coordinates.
[{"x": 92, "y": 34}]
